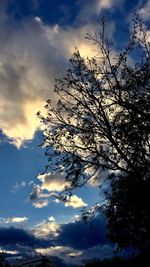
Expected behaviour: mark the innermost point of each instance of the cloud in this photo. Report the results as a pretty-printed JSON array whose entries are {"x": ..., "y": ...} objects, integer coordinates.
[
  {"x": 52, "y": 182},
  {"x": 13, "y": 220},
  {"x": 39, "y": 200},
  {"x": 28, "y": 65},
  {"x": 77, "y": 242},
  {"x": 97, "y": 252},
  {"x": 90, "y": 11},
  {"x": 76, "y": 234},
  {"x": 36, "y": 3},
  {"x": 145, "y": 11},
  {"x": 108, "y": 4},
  {"x": 3, "y": 13},
  {"x": 78, "y": 257},
  {"x": 40, "y": 203},
  {"x": 73, "y": 242},
  {"x": 35, "y": 193},
  {"x": 17, "y": 237},
  {"x": 69, "y": 38},
  {"x": 10, "y": 252},
  {"x": 32, "y": 55},
  {"x": 47, "y": 228},
  {"x": 73, "y": 201},
  {"x": 18, "y": 186},
  {"x": 65, "y": 253},
  {"x": 79, "y": 235}
]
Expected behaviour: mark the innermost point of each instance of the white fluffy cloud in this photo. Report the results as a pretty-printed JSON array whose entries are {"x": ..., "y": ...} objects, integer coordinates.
[
  {"x": 13, "y": 220},
  {"x": 52, "y": 182},
  {"x": 74, "y": 202},
  {"x": 47, "y": 228}
]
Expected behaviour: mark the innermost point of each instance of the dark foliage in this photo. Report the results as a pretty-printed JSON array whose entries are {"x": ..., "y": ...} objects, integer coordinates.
[
  {"x": 141, "y": 260},
  {"x": 128, "y": 211},
  {"x": 101, "y": 124}
]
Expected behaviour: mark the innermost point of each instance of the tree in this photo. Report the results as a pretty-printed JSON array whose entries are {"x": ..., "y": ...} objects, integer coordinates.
[{"x": 101, "y": 123}]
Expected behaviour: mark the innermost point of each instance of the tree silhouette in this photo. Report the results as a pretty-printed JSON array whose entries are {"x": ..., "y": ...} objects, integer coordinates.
[{"x": 101, "y": 123}]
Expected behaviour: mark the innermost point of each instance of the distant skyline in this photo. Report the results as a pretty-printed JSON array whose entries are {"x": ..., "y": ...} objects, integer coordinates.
[{"x": 37, "y": 39}]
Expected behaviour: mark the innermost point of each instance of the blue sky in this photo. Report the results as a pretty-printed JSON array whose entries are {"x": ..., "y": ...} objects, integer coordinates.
[{"x": 37, "y": 38}]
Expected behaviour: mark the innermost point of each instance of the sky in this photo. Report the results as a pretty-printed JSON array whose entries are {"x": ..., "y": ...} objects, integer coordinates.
[{"x": 37, "y": 39}]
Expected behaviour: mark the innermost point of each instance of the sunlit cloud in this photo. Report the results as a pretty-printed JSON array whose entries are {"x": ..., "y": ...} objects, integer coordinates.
[
  {"x": 76, "y": 218},
  {"x": 11, "y": 220},
  {"x": 63, "y": 252},
  {"x": 47, "y": 228},
  {"x": 77, "y": 257},
  {"x": 12, "y": 252},
  {"x": 73, "y": 201},
  {"x": 109, "y": 3},
  {"x": 52, "y": 182},
  {"x": 28, "y": 66},
  {"x": 32, "y": 55},
  {"x": 78, "y": 241},
  {"x": 38, "y": 198}
]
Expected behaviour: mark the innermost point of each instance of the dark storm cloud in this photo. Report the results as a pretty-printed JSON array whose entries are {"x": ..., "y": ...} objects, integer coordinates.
[
  {"x": 11, "y": 237},
  {"x": 75, "y": 242},
  {"x": 78, "y": 243},
  {"x": 79, "y": 235}
]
